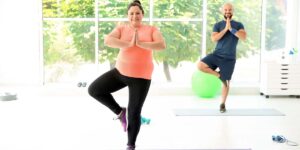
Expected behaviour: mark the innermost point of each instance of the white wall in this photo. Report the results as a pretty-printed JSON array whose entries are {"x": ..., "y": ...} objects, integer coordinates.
[
  {"x": 20, "y": 42},
  {"x": 292, "y": 20}
]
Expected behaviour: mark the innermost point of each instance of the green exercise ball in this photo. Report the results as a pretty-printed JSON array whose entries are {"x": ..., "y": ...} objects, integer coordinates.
[{"x": 205, "y": 85}]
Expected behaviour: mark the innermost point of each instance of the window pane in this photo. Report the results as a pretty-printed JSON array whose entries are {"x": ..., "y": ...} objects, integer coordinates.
[
  {"x": 177, "y": 61},
  {"x": 118, "y": 8},
  {"x": 106, "y": 53},
  {"x": 68, "y": 8},
  {"x": 178, "y": 9},
  {"x": 275, "y": 24},
  {"x": 183, "y": 37},
  {"x": 68, "y": 48}
]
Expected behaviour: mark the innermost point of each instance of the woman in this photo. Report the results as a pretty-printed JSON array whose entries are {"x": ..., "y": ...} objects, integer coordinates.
[{"x": 133, "y": 69}]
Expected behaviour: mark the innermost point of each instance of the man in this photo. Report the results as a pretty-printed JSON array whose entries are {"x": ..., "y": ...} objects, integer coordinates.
[{"x": 226, "y": 33}]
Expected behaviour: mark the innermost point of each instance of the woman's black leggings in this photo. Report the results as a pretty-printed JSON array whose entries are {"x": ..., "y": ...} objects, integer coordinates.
[{"x": 112, "y": 81}]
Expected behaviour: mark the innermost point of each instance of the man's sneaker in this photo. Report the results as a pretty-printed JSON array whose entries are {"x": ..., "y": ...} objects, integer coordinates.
[
  {"x": 129, "y": 147},
  {"x": 222, "y": 108},
  {"x": 123, "y": 119}
]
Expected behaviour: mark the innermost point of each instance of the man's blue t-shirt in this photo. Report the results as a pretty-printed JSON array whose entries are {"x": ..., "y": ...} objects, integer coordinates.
[{"x": 226, "y": 46}]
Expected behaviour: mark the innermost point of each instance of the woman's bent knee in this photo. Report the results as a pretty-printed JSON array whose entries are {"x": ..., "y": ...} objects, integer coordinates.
[{"x": 91, "y": 91}]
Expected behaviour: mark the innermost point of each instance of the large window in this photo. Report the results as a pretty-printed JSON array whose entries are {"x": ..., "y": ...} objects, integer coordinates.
[
  {"x": 274, "y": 30},
  {"x": 72, "y": 27},
  {"x": 69, "y": 40},
  {"x": 181, "y": 24},
  {"x": 74, "y": 31}
]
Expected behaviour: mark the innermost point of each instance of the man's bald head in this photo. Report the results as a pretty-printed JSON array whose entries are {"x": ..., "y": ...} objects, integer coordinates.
[{"x": 227, "y": 10}]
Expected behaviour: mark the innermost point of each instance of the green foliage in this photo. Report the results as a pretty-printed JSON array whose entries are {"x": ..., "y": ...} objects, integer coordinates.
[
  {"x": 105, "y": 52},
  {"x": 183, "y": 42},
  {"x": 177, "y": 9},
  {"x": 83, "y": 34},
  {"x": 118, "y": 8},
  {"x": 74, "y": 41},
  {"x": 183, "y": 38},
  {"x": 50, "y": 8},
  {"x": 66, "y": 45},
  {"x": 68, "y": 8},
  {"x": 59, "y": 44}
]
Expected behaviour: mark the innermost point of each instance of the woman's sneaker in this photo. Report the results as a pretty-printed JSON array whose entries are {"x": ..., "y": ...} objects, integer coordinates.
[
  {"x": 123, "y": 119},
  {"x": 129, "y": 147}
]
